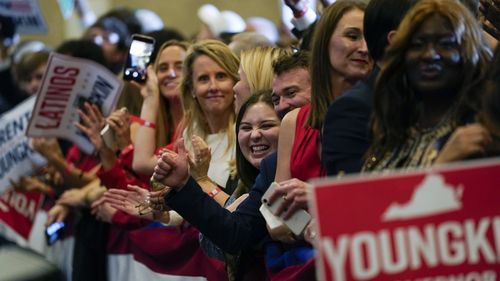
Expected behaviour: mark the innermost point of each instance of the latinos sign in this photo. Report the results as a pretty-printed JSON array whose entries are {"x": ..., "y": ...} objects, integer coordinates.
[{"x": 434, "y": 225}]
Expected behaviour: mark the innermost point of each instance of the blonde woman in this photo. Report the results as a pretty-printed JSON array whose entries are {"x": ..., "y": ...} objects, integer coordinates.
[
  {"x": 209, "y": 74},
  {"x": 256, "y": 72}
]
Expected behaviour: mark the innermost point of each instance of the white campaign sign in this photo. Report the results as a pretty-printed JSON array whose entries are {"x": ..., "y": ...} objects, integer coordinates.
[
  {"x": 16, "y": 157},
  {"x": 26, "y": 14},
  {"x": 67, "y": 84}
]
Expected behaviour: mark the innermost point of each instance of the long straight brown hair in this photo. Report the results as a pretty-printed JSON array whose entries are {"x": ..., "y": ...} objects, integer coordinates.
[{"x": 321, "y": 88}]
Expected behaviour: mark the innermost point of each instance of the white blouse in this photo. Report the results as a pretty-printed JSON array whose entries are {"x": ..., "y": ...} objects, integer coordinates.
[{"x": 219, "y": 169}]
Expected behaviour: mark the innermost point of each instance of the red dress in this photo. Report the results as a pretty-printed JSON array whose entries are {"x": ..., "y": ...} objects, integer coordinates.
[{"x": 305, "y": 163}]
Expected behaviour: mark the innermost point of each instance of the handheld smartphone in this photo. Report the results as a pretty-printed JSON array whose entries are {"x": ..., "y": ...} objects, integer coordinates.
[
  {"x": 265, "y": 198},
  {"x": 299, "y": 219},
  {"x": 138, "y": 58},
  {"x": 53, "y": 232}
]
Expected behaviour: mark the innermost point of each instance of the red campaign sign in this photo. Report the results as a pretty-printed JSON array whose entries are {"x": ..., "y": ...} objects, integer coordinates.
[
  {"x": 18, "y": 210},
  {"x": 429, "y": 225}
]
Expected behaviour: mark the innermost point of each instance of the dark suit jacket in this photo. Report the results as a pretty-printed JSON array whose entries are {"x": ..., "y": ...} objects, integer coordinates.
[
  {"x": 233, "y": 232},
  {"x": 346, "y": 132}
]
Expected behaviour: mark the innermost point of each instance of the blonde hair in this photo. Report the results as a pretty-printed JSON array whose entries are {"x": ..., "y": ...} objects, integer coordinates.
[
  {"x": 248, "y": 40},
  {"x": 257, "y": 63},
  {"x": 194, "y": 119}
]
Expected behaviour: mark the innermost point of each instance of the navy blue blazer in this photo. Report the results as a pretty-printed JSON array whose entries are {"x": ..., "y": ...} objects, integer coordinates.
[
  {"x": 346, "y": 129},
  {"x": 242, "y": 230}
]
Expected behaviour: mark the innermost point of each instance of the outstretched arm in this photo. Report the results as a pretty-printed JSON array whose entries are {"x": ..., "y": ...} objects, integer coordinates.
[
  {"x": 72, "y": 176},
  {"x": 144, "y": 152}
]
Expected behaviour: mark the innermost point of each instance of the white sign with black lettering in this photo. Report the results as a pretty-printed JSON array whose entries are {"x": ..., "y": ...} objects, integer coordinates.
[
  {"x": 26, "y": 14},
  {"x": 16, "y": 157},
  {"x": 67, "y": 84}
]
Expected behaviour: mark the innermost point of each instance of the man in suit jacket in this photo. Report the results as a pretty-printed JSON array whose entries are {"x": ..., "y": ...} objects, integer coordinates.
[{"x": 345, "y": 134}]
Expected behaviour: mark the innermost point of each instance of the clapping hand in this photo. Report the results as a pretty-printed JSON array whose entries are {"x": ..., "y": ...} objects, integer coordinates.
[
  {"x": 172, "y": 169},
  {"x": 199, "y": 161}
]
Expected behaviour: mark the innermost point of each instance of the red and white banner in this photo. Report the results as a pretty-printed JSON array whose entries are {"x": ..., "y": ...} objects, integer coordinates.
[
  {"x": 437, "y": 224},
  {"x": 162, "y": 253},
  {"x": 18, "y": 210},
  {"x": 67, "y": 84}
]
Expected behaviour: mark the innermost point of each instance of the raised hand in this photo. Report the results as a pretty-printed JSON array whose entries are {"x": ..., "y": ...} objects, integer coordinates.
[
  {"x": 150, "y": 88},
  {"x": 199, "y": 161},
  {"x": 172, "y": 169},
  {"x": 48, "y": 147},
  {"x": 92, "y": 123},
  {"x": 120, "y": 124}
]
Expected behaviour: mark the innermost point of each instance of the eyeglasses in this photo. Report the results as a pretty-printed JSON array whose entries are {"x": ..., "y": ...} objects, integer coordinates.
[{"x": 111, "y": 38}]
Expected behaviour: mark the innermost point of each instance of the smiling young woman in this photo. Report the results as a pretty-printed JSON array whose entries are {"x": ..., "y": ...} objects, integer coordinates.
[{"x": 161, "y": 106}]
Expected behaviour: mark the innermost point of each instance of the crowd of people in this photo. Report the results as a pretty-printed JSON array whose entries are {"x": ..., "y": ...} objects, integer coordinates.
[{"x": 369, "y": 86}]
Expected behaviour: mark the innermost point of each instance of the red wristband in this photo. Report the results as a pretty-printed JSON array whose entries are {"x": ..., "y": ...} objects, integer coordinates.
[
  {"x": 214, "y": 192},
  {"x": 142, "y": 122}
]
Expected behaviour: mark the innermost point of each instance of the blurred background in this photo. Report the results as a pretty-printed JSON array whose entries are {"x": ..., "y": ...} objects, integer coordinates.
[{"x": 178, "y": 14}]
